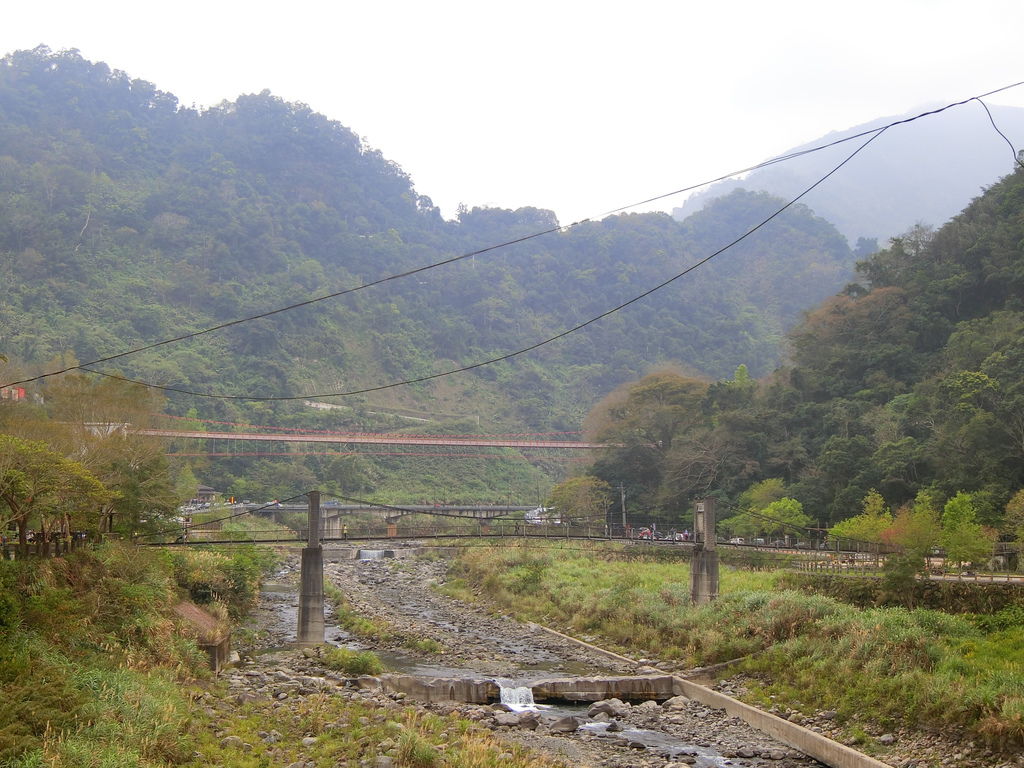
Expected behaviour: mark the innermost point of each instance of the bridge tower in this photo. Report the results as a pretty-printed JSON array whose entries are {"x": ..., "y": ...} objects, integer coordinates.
[
  {"x": 311, "y": 594},
  {"x": 704, "y": 566}
]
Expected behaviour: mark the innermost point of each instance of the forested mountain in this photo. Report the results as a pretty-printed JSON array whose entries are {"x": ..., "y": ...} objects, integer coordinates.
[
  {"x": 921, "y": 173},
  {"x": 126, "y": 219},
  {"x": 910, "y": 380}
]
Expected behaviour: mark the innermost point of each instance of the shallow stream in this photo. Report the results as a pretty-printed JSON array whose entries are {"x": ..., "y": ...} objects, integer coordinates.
[{"x": 278, "y": 616}]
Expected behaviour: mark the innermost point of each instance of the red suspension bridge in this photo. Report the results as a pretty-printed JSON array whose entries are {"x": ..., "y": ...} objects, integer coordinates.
[{"x": 375, "y": 439}]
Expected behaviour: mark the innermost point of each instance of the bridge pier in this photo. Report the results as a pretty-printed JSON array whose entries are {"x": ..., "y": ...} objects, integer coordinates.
[
  {"x": 704, "y": 565},
  {"x": 310, "y": 629}
]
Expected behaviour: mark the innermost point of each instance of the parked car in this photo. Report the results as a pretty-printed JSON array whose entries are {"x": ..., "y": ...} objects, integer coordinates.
[{"x": 737, "y": 540}]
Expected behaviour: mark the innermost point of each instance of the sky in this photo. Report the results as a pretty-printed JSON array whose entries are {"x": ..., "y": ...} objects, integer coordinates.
[{"x": 577, "y": 107}]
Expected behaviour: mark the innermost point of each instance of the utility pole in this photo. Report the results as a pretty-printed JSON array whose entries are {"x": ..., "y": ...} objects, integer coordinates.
[
  {"x": 311, "y": 595},
  {"x": 622, "y": 499}
]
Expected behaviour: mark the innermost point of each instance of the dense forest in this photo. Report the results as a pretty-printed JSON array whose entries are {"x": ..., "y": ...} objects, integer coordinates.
[
  {"x": 126, "y": 218},
  {"x": 910, "y": 380}
]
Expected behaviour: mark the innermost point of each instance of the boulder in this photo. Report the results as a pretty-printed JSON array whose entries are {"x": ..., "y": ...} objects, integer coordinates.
[
  {"x": 611, "y": 707},
  {"x": 676, "y": 703},
  {"x": 529, "y": 720},
  {"x": 567, "y": 724}
]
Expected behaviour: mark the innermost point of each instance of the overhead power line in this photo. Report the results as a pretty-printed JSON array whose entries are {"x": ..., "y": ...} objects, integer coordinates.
[{"x": 873, "y": 133}]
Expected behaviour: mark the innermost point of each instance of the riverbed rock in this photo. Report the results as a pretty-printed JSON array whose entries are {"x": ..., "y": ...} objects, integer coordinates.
[
  {"x": 675, "y": 704},
  {"x": 529, "y": 720},
  {"x": 567, "y": 724},
  {"x": 368, "y": 683},
  {"x": 611, "y": 707},
  {"x": 506, "y": 719}
]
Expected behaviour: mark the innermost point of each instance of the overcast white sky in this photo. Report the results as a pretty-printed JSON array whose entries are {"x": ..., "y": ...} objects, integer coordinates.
[{"x": 579, "y": 107}]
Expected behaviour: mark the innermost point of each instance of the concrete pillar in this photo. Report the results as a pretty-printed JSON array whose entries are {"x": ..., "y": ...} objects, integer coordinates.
[
  {"x": 311, "y": 593},
  {"x": 704, "y": 576},
  {"x": 704, "y": 566}
]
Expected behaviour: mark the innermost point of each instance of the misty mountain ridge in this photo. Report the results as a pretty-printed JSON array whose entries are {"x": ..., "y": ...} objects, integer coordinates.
[{"x": 924, "y": 172}]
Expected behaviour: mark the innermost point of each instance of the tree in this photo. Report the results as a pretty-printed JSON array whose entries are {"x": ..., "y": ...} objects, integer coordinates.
[
  {"x": 755, "y": 499},
  {"x": 759, "y": 495},
  {"x": 39, "y": 486},
  {"x": 964, "y": 540},
  {"x": 585, "y": 498},
  {"x": 1013, "y": 523},
  {"x": 916, "y": 530},
  {"x": 782, "y": 517},
  {"x": 870, "y": 525},
  {"x": 642, "y": 420},
  {"x": 785, "y": 516},
  {"x": 97, "y": 426}
]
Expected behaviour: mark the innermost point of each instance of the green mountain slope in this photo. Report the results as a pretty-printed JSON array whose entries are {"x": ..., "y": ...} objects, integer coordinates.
[
  {"x": 910, "y": 380},
  {"x": 126, "y": 219}
]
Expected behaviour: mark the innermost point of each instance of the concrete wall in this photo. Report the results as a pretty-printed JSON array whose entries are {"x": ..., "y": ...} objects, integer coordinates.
[
  {"x": 635, "y": 688},
  {"x": 820, "y": 747},
  {"x": 442, "y": 688}
]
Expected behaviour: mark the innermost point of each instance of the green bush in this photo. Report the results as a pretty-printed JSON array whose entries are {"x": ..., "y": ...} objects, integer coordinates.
[
  {"x": 38, "y": 694},
  {"x": 353, "y": 662}
]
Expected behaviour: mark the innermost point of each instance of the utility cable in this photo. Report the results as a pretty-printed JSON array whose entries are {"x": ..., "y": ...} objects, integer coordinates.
[
  {"x": 403, "y": 510},
  {"x": 222, "y": 519},
  {"x": 1013, "y": 149},
  {"x": 501, "y": 358},
  {"x": 525, "y": 238}
]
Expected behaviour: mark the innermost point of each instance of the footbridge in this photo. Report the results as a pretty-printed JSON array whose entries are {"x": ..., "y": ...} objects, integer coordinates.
[
  {"x": 345, "y": 438},
  {"x": 336, "y": 515}
]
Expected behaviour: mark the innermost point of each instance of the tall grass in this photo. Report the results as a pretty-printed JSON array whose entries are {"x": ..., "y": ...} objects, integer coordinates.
[
  {"x": 92, "y": 660},
  {"x": 887, "y": 665},
  {"x": 353, "y": 733}
]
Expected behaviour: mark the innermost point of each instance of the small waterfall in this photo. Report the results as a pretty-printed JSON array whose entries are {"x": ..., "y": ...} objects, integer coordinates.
[
  {"x": 374, "y": 554},
  {"x": 517, "y": 698}
]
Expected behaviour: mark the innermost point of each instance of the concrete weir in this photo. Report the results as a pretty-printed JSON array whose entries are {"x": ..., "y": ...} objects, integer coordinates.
[
  {"x": 576, "y": 689},
  {"x": 638, "y": 688},
  {"x": 635, "y": 688}
]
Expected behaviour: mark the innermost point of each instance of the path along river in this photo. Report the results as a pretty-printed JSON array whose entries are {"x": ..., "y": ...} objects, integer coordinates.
[{"x": 400, "y": 590}]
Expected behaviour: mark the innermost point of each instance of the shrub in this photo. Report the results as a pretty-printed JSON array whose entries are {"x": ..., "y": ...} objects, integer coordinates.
[{"x": 353, "y": 662}]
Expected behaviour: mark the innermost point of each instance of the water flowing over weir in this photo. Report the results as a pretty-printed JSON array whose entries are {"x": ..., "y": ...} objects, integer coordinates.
[
  {"x": 374, "y": 554},
  {"x": 518, "y": 698}
]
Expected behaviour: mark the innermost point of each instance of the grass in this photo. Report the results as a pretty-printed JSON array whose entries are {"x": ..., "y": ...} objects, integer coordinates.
[
  {"x": 95, "y": 675},
  {"x": 882, "y": 665},
  {"x": 92, "y": 662},
  {"x": 352, "y": 733},
  {"x": 374, "y": 629},
  {"x": 353, "y": 662}
]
